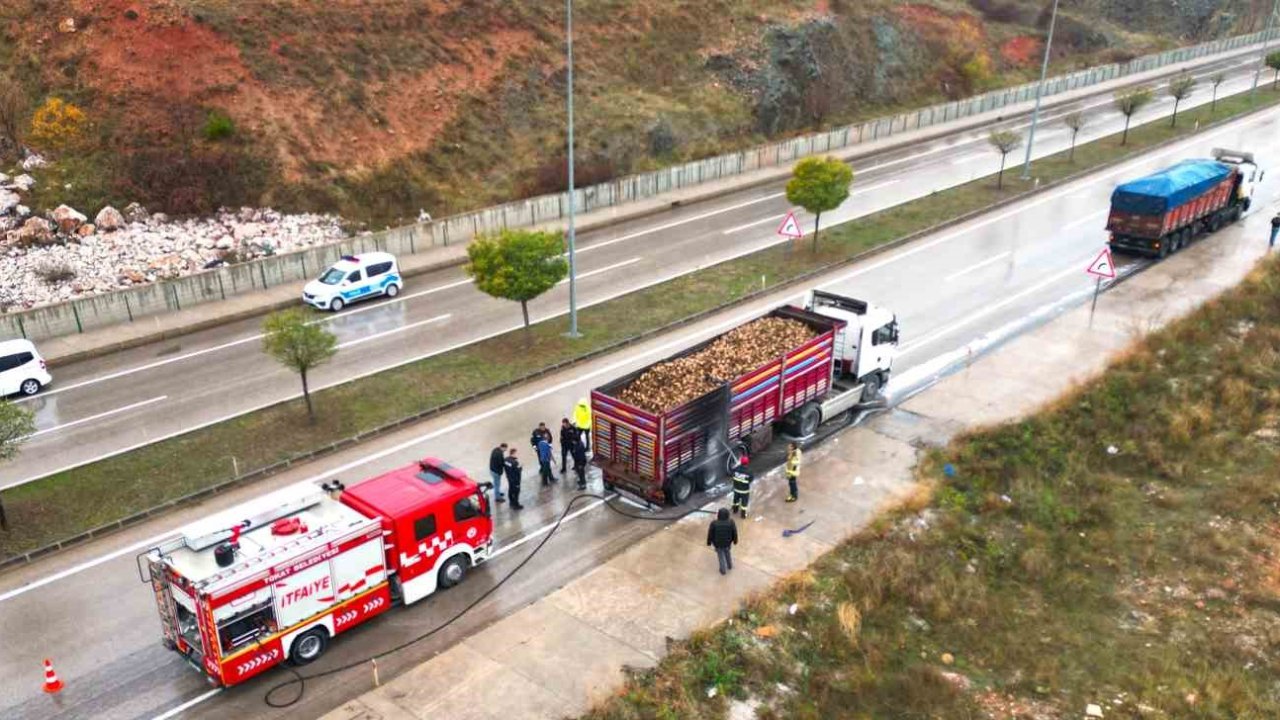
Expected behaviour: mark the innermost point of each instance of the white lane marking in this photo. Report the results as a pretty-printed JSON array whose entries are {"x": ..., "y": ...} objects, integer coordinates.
[
  {"x": 547, "y": 528},
  {"x": 1092, "y": 218},
  {"x": 604, "y": 269},
  {"x": 774, "y": 218},
  {"x": 964, "y": 159},
  {"x": 979, "y": 266},
  {"x": 969, "y": 320},
  {"x": 452, "y": 427},
  {"x": 402, "y": 328},
  {"x": 99, "y": 416},
  {"x": 188, "y": 705},
  {"x": 677, "y": 223}
]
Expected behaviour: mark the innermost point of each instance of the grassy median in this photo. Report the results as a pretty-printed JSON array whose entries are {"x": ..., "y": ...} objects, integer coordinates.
[
  {"x": 1121, "y": 548},
  {"x": 93, "y": 495}
]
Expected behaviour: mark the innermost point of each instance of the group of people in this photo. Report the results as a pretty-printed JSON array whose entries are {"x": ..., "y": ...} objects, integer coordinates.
[
  {"x": 722, "y": 534},
  {"x": 575, "y": 444}
]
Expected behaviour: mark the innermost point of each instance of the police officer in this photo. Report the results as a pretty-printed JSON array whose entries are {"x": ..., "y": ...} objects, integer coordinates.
[
  {"x": 1275, "y": 230},
  {"x": 742, "y": 478},
  {"x": 793, "y": 472},
  {"x": 514, "y": 472}
]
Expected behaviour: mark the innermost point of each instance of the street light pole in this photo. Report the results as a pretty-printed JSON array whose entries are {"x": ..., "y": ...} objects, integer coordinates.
[
  {"x": 1266, "y": 45},
  {"x": 1035, "y": 114},
  {"x": 573, "y": 280}
]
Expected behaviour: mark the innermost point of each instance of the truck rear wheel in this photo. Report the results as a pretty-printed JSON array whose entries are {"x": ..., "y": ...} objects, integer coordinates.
[
  {"x": 679, "y": 489},
  {"x": 309, "y": 646}
]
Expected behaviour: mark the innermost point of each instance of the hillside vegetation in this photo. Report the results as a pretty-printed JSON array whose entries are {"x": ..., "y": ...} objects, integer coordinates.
[{"x": 379, "y": 109}]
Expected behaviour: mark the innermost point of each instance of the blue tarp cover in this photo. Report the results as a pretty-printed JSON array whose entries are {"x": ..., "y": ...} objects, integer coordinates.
[{"x": 1159, "y": 193}]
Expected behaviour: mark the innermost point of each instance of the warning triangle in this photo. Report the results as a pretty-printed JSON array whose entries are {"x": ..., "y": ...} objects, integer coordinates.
[
  {"x": 790, "y": 227},
  {"x": 1102, "y": 266}
]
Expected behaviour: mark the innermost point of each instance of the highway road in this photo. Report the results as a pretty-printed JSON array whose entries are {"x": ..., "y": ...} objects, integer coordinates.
[
  {"x": 958, "y": 290},
  {"x": 100, "y": 407}
]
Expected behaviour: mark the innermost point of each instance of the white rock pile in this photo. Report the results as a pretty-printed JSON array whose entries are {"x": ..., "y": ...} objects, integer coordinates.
[{"x": 63, "y": 255}]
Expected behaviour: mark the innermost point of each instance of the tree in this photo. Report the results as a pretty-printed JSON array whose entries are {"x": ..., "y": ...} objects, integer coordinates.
[
  {"x": 819, "y": 185},
  {"x": 1273, "y": 62},
  {"x": 1005, "y": 142},
  {"x": 16, "y": 424},
  {"x": 1129, "y": 102},
  {"x": 57, "y": 124},
  {"x": 1217, "y": 79},
  {"x": 1075, "y": 121},
  {"x": 1180, "y": 89},
  {"x": 299, "y": 345},
  {"x": 13, "y": 114},
  {"x": 517, "y": 265}
]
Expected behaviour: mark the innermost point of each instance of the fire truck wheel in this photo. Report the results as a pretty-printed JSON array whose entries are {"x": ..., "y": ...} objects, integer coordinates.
[
  {"x": 455, "y": 568},
  {"x": 309, "y": 645}
]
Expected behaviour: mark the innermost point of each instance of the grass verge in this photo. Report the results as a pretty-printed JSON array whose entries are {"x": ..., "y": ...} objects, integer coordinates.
[
  {"x": 1118, "y": 548},
  {"x": 104, "y": 492}
]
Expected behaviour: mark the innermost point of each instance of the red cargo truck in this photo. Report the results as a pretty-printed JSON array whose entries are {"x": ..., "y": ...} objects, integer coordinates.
[
  {"x": 1162, "y": 213},
  {"x": 664, "y": 457}
]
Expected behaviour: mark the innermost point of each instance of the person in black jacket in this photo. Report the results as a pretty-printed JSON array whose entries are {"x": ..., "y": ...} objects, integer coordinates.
[
  {"x": 514, "y": 471},
  {"x": 580, "y": 463},
  {"x": 568, "y": 436},
  {"x": 497, "y": 466},
  {"x": 722, "y": 534}
]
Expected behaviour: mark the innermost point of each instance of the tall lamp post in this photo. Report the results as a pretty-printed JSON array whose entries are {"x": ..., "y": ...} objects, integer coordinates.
[
  {"x": 573, "y": 281},
  {"x": 1266, "y": 44},
  {"x": 1035, "y": 114}
]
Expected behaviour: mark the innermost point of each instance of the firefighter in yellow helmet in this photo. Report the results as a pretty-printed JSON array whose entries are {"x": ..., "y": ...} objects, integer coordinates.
[{"x": 582, "y": 421}]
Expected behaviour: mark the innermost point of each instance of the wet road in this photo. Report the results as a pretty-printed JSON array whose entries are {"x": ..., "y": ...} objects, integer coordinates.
[
  {"x": 100, "y": 407},
  {"x": 953, "y": 291}
]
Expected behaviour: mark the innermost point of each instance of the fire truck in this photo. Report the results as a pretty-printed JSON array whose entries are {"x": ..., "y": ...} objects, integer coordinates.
[{"x": 277, "y": 578}]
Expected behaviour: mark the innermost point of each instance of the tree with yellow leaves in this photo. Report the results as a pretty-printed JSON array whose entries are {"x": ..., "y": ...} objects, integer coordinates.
[{"x": 57, "y": 124}]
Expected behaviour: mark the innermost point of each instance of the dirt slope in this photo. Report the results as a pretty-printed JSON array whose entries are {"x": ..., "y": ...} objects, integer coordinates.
[{"x": 378, "y": 109}]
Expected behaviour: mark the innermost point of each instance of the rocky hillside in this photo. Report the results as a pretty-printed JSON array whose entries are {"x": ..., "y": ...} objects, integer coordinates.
[{"x": 376, "y": 110}]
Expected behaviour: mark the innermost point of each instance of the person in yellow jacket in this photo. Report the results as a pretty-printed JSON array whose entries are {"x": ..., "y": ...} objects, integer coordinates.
[
  {"x": 582, "y": 421},
  {"x": 793, "y": 472}
]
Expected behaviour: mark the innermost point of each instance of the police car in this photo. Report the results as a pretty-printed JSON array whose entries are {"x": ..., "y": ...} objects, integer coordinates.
[{"x": 353, "y": 278}]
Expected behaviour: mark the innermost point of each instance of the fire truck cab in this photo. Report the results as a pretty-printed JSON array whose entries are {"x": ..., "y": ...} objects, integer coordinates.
[{"x": 277, "y": 578}]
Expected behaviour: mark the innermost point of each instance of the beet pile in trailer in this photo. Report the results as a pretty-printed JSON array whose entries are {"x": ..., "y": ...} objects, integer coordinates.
[{"x": 670, "y": 384}]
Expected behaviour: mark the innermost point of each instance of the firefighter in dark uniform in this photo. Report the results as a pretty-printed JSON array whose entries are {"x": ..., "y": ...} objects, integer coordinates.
[{"x": 742, "y": 478}]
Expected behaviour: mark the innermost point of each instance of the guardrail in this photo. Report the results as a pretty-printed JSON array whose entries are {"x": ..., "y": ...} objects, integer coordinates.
[{"x": 130, "y": 305}]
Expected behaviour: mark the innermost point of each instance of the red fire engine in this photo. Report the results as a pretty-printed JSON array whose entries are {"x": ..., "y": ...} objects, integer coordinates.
[{"x": 275, "y": 579}]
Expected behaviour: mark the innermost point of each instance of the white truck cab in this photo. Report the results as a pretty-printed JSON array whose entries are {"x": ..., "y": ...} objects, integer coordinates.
[
  {"x": 1250, "y": 174},
  {"x": 354, "y": 278},
  {"x": 866, "y": 346}
]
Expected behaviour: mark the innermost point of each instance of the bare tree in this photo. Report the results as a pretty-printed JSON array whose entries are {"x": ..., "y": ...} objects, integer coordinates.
[
  {"x": 14, "y": 106},
  {"x": 1005, "y": 142},
  {"x": 1075, "y": 121},
  {"x": 1129, "y": 102},
  {"x": 1217, "y": 79},
  {"x": 1180, "y": 89}
]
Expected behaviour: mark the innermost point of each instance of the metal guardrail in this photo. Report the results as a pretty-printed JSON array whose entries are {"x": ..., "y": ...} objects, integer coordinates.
[
  {"x": 132, "y": 304},
  {"x": 433, "y": 411}
]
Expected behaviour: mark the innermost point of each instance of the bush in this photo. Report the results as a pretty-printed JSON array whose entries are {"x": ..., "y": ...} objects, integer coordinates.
[
  {"x": 553, "y": 176},
  {"x": 57, "y": 125},
  {"x": 55, "y": 271},
  {"x": 184, "y": 180},
  {"x": 218, "y": 126}
]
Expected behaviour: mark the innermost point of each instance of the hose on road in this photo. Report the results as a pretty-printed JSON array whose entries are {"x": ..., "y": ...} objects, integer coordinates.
[{"x": 300, "y": 680}]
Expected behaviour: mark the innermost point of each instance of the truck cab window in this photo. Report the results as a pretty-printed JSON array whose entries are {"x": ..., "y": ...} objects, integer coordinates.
[
  {"x": 883, "y": 335},
  {"x": 424, "y": 527},
  {"x": 466, "y": 508}
]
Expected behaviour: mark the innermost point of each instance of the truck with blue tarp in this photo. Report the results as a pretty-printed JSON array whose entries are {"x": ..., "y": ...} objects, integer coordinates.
[{"x": 1162, "y": 213}]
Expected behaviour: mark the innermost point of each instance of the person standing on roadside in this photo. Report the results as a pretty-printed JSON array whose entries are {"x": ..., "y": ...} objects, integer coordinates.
[
  {"x": 545, "y": 459},
  {"x": 722, "y": 535},
  {"x": 582, "y": 421},
  {"x": 793, "y": 472},
  {"x": 742, "y": 479},
  {"x": 514, "y": 471},
  {"x": 1275, "y": 230},
  {"x": 568, "y": 438},
  {"x": 498, "y": 466},
  {"x": 542, "y": 432},
  {"x": 580, "y": 463}
]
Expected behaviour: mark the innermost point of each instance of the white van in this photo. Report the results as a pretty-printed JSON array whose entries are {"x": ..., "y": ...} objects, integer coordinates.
[
  {"x": 353, "y": 278},
  {"x": 22, "y": 370}
]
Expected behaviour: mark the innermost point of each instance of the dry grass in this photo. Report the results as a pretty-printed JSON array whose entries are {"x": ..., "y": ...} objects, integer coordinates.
[{"x": 1055, "y": 573}]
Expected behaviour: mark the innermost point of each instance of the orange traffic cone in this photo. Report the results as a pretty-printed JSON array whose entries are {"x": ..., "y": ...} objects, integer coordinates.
[{"x": 51, "y": 682}]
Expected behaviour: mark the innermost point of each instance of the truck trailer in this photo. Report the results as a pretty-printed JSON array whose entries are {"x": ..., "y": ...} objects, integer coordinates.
[
  {"x": 275, "y": 579},
  {"x": 1162, "y": 213},
  {"x": 664, "y": 455}
]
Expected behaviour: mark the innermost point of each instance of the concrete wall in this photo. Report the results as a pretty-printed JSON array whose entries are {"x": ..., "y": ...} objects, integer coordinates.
[{"x": 140, "y": 302}]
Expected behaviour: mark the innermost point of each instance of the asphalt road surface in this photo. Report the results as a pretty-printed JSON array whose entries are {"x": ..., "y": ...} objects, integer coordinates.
[
  {"x": 100, "y": 407},
  {"x": 956, "y": 291}
]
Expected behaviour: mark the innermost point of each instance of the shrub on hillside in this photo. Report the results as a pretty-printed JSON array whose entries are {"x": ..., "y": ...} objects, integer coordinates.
[
  {"x": 553, "y": 176},
  {"x": 57, "y": 125},
  {"x": 187, "y": 180},
  {"x": 218, "y": 126}
]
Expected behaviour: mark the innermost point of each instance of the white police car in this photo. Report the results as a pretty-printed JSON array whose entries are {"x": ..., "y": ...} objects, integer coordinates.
[{"x": 353, "y": 278}]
